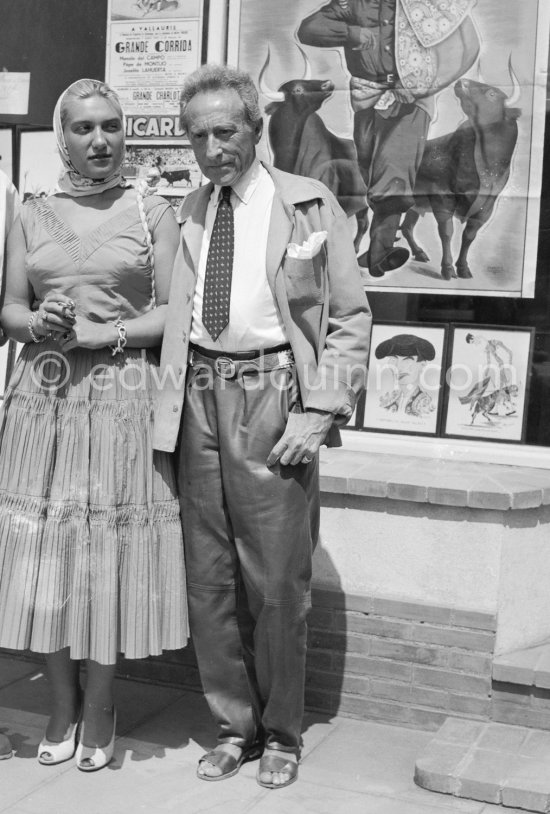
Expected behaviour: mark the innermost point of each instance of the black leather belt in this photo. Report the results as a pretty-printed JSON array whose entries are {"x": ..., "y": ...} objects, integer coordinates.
[
  {"x": 229, "y": 365},
  {"x": 240, "y": 355}
]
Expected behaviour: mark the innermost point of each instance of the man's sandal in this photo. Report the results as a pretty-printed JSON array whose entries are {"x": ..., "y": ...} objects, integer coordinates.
[
  {"x": 228, "y": 764},
  {"x": 274, "y": 763}
]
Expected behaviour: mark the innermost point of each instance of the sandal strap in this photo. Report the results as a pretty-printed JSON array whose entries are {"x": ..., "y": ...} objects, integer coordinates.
[
  {"x": 226, "y": 762},
  {"x": 222, "y": 760},
  {"x": 274, "y": 763}
]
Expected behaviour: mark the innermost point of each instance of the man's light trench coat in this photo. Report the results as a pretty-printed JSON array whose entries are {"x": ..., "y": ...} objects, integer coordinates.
[{"x": 321, "y": 303}]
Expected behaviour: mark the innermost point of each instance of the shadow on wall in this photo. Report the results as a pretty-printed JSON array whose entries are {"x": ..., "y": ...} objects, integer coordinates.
[{"x": 327, "y": 637}]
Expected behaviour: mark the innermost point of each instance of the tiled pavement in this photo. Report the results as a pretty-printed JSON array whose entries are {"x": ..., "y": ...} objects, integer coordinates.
[
  {"x": 348, "y": 766},
  {"x": 488, "y": 761}
]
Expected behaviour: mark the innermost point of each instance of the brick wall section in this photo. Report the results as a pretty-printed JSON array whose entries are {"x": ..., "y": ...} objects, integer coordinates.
[
  {"x": 378, "y": 659},
  {"x": 398, "y": 662}
]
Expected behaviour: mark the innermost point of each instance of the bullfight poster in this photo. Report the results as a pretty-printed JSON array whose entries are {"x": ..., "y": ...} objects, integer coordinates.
[
  {"x": 426, "y": 120},
  {"x": 152, "y": 45}
]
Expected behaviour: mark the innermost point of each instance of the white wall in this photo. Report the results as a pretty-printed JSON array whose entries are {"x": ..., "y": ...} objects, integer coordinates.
[
  {"x": 415, "y": 552},
  {"x": 489, "y": 561}
]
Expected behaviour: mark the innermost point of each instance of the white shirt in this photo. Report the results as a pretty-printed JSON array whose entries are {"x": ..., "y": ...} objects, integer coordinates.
[{"x": 254, "y": 321}]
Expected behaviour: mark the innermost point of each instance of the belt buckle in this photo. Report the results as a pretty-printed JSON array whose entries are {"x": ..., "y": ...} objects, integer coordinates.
[
  {"x": 285, "y": 358},
  {"x": 225, "y": 367}
]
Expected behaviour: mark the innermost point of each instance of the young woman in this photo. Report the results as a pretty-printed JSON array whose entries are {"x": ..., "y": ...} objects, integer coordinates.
[{"x": 91, "y": 554}]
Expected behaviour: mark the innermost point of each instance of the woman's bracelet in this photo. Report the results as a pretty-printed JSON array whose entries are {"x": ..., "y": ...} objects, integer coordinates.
[
  {"x": 121, "y": 343},
  {"x": 30, "y": 326}
]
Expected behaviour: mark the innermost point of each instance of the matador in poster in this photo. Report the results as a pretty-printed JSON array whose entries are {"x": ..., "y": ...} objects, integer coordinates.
[{"x": 399, "y": 53}]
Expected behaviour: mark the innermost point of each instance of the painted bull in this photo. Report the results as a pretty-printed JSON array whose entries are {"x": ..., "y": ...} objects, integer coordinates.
[
  {"x": 302, "y": 144},
  {"x": 171, "y": 175},
  {"x": 176, "y": 175},
  {"x": 498, "y": 402},
  {"x": 463, "y": 173}
]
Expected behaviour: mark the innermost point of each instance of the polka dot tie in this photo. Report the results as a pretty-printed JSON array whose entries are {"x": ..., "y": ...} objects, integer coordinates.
[{"x": 219, "y": 268}]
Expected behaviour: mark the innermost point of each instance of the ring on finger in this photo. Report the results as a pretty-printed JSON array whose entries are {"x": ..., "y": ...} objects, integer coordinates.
[{"x": 306, "y": 460}]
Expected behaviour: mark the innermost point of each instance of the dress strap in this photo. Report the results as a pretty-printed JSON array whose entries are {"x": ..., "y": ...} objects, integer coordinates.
[{"x": 149, "y": 242}]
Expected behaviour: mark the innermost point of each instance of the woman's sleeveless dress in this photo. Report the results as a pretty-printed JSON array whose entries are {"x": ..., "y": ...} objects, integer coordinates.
[{"x": 91, "y": 550}]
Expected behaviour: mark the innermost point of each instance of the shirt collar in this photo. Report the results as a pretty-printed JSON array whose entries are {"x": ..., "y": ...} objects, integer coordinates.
[{"x": 247, "y": 183}]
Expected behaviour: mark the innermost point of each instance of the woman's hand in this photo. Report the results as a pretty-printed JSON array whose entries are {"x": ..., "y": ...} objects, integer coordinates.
[
  {"x": 55, "y": 316},
  {"x": 84, "y": 333}
]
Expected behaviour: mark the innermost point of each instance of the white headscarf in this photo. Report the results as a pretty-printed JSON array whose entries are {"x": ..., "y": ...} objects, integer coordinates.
[{"x": 70, "y": 180}]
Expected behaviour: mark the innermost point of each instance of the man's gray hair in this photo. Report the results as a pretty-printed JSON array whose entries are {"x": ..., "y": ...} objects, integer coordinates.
[{"x": 221, "y": 77}]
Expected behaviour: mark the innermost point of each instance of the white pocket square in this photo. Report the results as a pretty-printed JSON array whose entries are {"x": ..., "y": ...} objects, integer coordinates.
[{"x": 309, "y": 247}]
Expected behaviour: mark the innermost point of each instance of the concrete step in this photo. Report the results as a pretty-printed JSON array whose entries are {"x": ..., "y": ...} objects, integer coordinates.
[
  {"x": 491, "y": 762},
  {"x": 529, "y": 667},
  {"x": 520, "y": 690}
]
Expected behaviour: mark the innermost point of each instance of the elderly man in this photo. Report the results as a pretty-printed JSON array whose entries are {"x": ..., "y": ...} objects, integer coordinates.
[
  {"x": 267, "y": 337},
  {"x": 399, "y": 54}
]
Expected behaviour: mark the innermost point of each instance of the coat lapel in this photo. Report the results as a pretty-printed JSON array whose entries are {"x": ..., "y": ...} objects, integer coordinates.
[
  {"x": 192, "y": 220},
  {"x": 289, "y": 191},
  {"x": 280, "y": 231}
]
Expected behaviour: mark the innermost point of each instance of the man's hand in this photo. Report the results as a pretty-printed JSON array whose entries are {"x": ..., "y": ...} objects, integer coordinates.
[
  {"x": 367, "y": 39},
  {"x": 304, "y": 433},
  {"x": 365, "y": 93}
]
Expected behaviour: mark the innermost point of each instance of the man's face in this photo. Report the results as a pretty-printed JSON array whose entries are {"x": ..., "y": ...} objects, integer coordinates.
[
  {"x": 408, "y": 370},
  {"x": 223, "y": 141}
]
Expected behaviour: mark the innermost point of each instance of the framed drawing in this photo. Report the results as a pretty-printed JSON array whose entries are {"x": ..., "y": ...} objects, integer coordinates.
[
  {"x": 6, "y": 151},
  {"x": 404, "y": 383},
  {"x": 39, "y": 163},
  {"x": 487, "y": 382}
]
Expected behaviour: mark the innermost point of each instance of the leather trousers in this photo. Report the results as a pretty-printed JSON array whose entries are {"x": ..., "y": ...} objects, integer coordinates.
[{"x": 249, "y": 535}]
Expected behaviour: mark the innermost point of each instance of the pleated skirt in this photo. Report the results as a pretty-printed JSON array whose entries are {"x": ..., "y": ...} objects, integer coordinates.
[{"x": 91, "y": 549}]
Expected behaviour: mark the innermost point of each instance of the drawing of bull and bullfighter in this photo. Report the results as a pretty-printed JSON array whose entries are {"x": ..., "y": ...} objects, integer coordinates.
[
  {"x": 400, "y": 54},
  {"x": 495, "y": 392}
]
